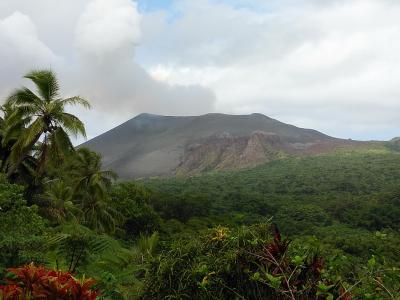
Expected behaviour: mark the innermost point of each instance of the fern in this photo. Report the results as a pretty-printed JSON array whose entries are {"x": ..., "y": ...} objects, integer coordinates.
[{"x": 75, "y": 243}]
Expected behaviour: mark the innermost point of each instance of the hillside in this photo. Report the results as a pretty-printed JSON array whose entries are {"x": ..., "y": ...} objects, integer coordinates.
[
  {"x": 330, "y": 181},
  {"x": 345, "y": 203},
  {"x": 152, "y": 145}
]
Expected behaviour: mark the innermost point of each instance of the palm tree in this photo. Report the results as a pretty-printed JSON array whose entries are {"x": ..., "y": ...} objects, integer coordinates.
[
  {"x": 87, "y": 172},
  {"x": 91, "y": 187},
  {"x": 46, "y": 119},
  {"x": 11, "y": 127},
  {"x": 61, "y": 207},
  {"x": 5, "y": 143}
]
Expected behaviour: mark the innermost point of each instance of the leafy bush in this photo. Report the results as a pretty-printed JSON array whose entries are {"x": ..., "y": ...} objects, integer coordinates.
[
  {"x": 21, "y": 228},
  {"x": 139, "y": 217},
  {"x": 245, "y": 263},
  {"x": 301, "y": 218}
]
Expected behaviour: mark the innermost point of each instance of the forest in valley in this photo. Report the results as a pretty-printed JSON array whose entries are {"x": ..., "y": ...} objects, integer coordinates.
[{"x": 322, "y": 227}]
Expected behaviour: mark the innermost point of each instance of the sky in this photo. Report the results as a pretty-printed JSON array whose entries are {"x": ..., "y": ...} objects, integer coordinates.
[{"x": 330, "y": 65}]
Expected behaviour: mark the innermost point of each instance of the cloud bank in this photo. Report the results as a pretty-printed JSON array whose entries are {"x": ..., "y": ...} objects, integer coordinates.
[
  {"x": 98, "y": 61},
  {"x": 330, "y": 65}
]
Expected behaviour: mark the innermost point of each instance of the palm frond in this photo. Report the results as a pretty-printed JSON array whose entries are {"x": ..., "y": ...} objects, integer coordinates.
[
  {"x": 54, "y": 109},
  {"x": 27, "y": 168},
  {"x": 46, "y": 83},
  {"x": 23, "y": 96},
  {"x": 72, "y": 124},
  {"x": 32, "y": 134},
  {"x": 103, "y": 243},
  {"x": 148, "y": 244},
  {"x": 13, "y": 128},
  {"x": 17, "y": 116},
  {"x": 26, "y": 111},
  {"x": 100, "y": 217},
  {"x": 61, "y": 143},
  {"x": 76, "y": 100},
  {"x": 57, "y": 239},
  {"x": 24, "y": 145}
]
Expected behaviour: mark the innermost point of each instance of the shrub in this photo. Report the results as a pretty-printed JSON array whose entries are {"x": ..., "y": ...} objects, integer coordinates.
[
  {"x": 21, "y": 228},
  {"x": 244, "y": 263}
]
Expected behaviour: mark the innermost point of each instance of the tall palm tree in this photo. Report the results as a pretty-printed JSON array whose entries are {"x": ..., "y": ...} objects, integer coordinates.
[
  {"x": 91, "y": 187},
  {"x": 47, "y": 121},
  {"x": 11, "y": 127}
]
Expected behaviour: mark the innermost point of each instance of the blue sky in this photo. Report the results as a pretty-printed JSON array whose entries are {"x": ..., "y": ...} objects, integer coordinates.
[
  {"x": 167, "y": 5},
  {"x": 154, "y": 5}
]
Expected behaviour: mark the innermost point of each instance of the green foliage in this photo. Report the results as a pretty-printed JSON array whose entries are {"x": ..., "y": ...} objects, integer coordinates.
[
  {"x": 248, "y": 263},
  {"x": 48, "y": 126},
  {"x": 181, "y": 206},
  {"x": 359, "y": 190},
  {"x": 90, "y": 186},
  {"x": 360, "y": 244},
  {"x": 73, "y": 243},
  {"x": 347, "y": 201},
  {"x": 21, "y": 228},
  {"x": 393, "y": 144},
  {"x": 299, "y": 218},
  {"x": 132, "y": 202},
  {"x": 202, "y": 237},
  {"x": 148, "y": 244},
  {"x": 60, "y": 207},
  {"x": 208, "y": 267}
]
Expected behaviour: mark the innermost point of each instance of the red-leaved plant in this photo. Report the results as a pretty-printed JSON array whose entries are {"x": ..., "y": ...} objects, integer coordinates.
[
  {"x": 298, "y": 277},
  {"x": 37, "y": 282}
]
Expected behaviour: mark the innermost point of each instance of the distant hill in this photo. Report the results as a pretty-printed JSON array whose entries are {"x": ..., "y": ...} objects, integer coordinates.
[
  {"x": 153, "y": 145},
  {"x": 394, "y": 144}
]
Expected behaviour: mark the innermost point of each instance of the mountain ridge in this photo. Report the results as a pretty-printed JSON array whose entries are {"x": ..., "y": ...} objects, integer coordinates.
[{"x": 155, "y": 145}]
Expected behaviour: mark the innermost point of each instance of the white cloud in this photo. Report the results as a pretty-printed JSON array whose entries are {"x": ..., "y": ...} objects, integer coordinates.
[
  {"x": 106, "y": 38},
  {"x": 332, "y": 65},
  {"x": 20, "y": 47},
  {"x": 108, "y": 28},
  {"x": 19, "y": 35},
  {"x": 95, "y": 42}
]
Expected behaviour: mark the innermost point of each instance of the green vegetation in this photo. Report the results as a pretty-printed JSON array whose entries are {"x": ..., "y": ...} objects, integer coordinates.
[{"x": 322, "y": 227}]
